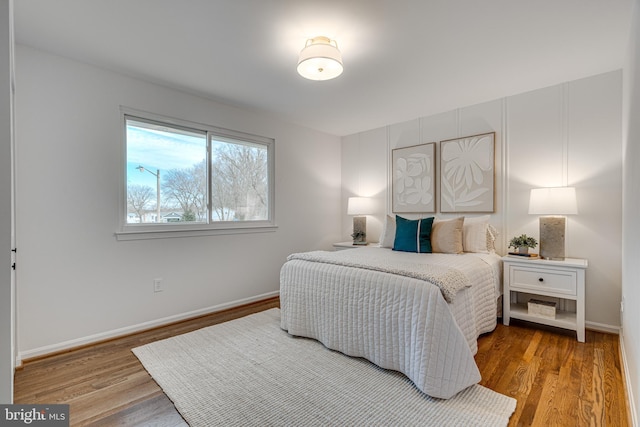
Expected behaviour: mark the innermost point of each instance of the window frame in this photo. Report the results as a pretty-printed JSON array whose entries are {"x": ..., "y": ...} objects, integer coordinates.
[{"x": 129, "y": 231}]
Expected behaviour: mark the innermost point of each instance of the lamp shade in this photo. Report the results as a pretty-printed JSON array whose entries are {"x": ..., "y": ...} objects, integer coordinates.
[
  {"x": 553, "y": 201},
  {"x": 320, "y": 59},
  {"x": 360, "y": 206}
]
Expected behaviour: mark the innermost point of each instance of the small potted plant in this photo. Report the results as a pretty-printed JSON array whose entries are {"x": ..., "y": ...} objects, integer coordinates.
[
  {"x": 359, "y": 238},
  {"x": 522, "y": 243}
]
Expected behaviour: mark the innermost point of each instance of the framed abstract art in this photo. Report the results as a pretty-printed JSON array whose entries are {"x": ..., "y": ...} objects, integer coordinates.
[
  {"x": 467, "y": 177},
  {"x": 413, "y": 179}
]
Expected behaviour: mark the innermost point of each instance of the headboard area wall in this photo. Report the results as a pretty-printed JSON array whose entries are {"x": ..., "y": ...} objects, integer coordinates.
[
  {"x": 369, "y": 168},
  {"x": 563, "y": 135}
]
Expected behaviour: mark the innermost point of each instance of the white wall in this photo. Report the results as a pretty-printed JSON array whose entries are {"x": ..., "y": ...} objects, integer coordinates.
[
  {"x": 631, "y": 221},
  {"x": 6, "y": 138},
  {"x": 77, "y": 283},
  {"x": 568, "y": 134}
]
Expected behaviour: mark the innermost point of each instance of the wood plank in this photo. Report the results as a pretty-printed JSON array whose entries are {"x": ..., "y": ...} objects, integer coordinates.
[
  {"x": 615, "y": 398},
  {"x": 523, "y": 382},
  {"x": 157, "y": 411},
  {"x": 546, "y": 410}
]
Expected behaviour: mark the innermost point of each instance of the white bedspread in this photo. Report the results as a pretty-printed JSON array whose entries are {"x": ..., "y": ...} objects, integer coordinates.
[
  {"x": 448, "y": 279},
  {"x": 395, "y": 321}
]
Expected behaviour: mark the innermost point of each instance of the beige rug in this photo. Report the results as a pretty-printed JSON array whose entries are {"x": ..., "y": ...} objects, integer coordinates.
[{"x": 250, "y": 372}]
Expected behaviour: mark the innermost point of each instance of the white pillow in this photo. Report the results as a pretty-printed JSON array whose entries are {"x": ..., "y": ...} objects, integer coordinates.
[
  {"x": 474, "y": 234},
  {"x": 388, "y": 234},
  {"x": 492, "y": 235}
]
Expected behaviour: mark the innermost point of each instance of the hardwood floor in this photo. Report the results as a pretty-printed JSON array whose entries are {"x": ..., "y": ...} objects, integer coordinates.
[
  {"x": 556, "y": 380},
  {"x": 106, "y": 385}
]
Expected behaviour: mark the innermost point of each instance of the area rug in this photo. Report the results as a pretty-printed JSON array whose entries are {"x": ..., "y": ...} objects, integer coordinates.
[{"x": 249, "y": 372}]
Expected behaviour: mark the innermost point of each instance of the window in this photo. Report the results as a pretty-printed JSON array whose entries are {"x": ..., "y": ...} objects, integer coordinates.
[{"x": 185, "y": 176}]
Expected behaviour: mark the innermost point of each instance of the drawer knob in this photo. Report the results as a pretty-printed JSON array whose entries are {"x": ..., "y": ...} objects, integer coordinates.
[{"x": 541, "y": 280}]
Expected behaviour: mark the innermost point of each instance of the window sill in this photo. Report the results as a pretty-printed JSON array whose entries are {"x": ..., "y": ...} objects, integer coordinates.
[{"x": 191, "y": 232}]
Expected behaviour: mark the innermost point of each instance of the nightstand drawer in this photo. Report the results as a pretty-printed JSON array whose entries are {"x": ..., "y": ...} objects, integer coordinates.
[{"x": 543, "y": 280}]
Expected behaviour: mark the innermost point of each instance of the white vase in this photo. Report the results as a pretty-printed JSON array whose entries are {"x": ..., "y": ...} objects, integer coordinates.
[{"x": 523, "y": 249}]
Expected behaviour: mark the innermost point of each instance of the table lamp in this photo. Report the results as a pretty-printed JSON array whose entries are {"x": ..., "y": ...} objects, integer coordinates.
[
  {"x": 554, "y": 203},
  {"x": 359, "y": 206}
]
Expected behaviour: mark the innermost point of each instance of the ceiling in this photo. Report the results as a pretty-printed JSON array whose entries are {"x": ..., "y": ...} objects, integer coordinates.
[{"x": 403, "y": 59}]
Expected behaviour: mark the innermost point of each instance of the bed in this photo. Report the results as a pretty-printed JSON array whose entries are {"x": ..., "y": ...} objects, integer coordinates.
[{"x": 416, "y": 313}]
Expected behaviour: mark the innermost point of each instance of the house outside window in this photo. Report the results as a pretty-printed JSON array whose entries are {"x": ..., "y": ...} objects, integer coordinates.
[{"x": 186, "y": 176}]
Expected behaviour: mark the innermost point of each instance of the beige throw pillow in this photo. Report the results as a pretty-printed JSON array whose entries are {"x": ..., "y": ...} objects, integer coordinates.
[{"x": 446, "y": 236}]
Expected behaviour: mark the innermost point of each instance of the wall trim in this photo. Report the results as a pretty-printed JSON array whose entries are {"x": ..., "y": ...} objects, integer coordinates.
[
  {"x": 390, "y": 168},
  {"x": 627, "y": 381},
  {"x": 115, "y": 333},
  {"x": 602, "y": 327},
  {"x": 564, "y": 120},
  {"x": 504, "y": 147}
]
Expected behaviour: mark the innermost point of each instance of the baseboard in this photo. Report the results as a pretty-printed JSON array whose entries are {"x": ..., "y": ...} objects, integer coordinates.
[
  {"x": 630, "y": 398},
  {"x": 602, "y": 327},
  {"x": 115, "y": 333}
]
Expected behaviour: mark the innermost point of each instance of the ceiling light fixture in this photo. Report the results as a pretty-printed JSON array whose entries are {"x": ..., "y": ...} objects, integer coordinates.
[{"x": 320, "y": 59}]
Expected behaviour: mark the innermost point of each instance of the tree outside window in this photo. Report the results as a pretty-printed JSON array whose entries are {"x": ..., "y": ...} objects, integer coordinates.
[{"x": 202, "y": 176}]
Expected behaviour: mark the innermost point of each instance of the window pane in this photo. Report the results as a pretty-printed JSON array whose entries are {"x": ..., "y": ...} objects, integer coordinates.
[
  {"x": 239, "y": 180},
  {"x": 166, "y": 173}
]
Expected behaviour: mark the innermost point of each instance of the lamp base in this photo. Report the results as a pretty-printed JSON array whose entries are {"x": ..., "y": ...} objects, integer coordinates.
[
  {"x": 359, "y": 230},
  {"x": 552, "y": 229}
]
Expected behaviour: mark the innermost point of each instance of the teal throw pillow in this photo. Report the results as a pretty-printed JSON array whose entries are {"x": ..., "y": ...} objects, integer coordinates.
[{"x": 413, "y": 235}]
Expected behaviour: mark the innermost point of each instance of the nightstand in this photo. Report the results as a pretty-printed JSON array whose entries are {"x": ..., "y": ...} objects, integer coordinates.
[
  {"x": 562, "y": 282},
  {"x": 340, "y": 246}
]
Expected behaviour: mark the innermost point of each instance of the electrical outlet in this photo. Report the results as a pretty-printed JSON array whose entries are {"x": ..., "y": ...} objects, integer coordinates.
[{"x": 157, "y": 285}]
